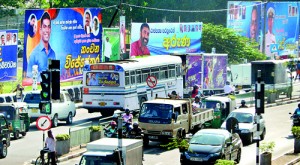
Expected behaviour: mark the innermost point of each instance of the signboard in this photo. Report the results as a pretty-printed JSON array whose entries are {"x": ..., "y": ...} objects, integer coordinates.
[
  {"x": 107, "y": 79},
  {"x": 43, "y": 123},
  {"x": 151, "y": 81},
  {"x": 282, "y": 28},
  {"x": 165, "y": 38},
  {"x": 111, "y": 44},
  {"x": 8, "y": 55},
  {"x": 71, "y": 35}
]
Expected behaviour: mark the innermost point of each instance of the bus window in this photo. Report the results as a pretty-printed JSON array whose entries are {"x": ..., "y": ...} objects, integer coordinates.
[
  {"x": 145, "y": 74},
  {"x": 127, "y": 81},
  {"x": 178, "y": 72},
  {"x": 138, "y": 76},
  {"x": 155, "y": 72},
  {"x": 132, "y": 77},
  {"x": 163, "y": 74},
  {"x": 171, "y": 70}
]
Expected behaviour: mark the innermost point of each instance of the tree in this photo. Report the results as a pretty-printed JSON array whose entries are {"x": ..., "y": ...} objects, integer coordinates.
[
  {"x": 226, "y": 41},
  {"x": 7, "y": 7}
]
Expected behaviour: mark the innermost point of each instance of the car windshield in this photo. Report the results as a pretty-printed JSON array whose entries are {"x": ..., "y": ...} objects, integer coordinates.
[
  {"x": 150, "y": 110},
  {"x": 32, "y": 98},
  {"x": 207, "y": 139},
  {"x": 242, "y": 117}
]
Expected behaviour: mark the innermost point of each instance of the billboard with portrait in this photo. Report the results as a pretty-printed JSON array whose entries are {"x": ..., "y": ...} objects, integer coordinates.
[
  {"x": 110, "y": 44},
  {"x": 282, "y": 28},
  {"x": 244, "y": 18},
  {"x": 71, "y": 35},
  {"x": 8, "y": 55},
  {"x": 165, "y": 38}
]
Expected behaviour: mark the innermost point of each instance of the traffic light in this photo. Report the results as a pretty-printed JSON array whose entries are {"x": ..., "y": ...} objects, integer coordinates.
[
  {"x": 55, "y": 84},
  {"x": 45, "y": 84},
  {"x": 260, "y": 98},
  {"x": 45, "y": 107}
]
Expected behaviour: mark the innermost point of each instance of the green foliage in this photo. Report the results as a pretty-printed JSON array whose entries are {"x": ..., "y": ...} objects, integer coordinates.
[
  {"x": 267, "y": 147},
  {"x": 95, "y": 128},
  {"x": 176, "y": 143},
  {"x": 62, "y": 137},
  {"x": 226, "y": 41},
  {"x": 296, "y": 131},
  {"x": 224, "y": 162}
]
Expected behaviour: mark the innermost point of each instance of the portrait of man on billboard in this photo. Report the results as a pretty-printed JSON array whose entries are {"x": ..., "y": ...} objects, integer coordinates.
[
  {"x": 139, "y": 47},
  {"x": 270, "y": 37},
  {"x": 254, "y": 24}
]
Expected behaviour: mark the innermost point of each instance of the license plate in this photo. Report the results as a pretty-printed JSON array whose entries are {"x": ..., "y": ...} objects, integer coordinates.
[
  {"x": 102, "y": 103},
  {"x": 196, "y": 159},
  {"x": 153, "y": 137},
  {"x": 34, "y": 110}
]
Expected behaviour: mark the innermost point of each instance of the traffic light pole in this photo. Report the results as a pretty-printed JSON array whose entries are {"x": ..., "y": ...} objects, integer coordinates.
[{"x": 259, "y": 108}]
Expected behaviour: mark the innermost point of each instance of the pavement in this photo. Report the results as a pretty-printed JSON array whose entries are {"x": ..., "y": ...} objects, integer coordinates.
[{"x": 289, "y": 158}]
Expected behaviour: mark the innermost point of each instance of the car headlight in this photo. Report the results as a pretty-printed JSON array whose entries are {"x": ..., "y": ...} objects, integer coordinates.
[
  {"x": 245, "y": 131},
  {"x": 215, "y": 154},
  {"x": 167, "y": 133}
]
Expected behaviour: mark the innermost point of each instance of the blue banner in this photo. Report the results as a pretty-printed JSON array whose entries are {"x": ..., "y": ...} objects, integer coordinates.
[
  {"x": 71, "y": 35},
  {"x": 8, "y": 55},
  {"x": 165, "y": 38},
  {"x": 245, "y": 18},
  {"x": 282, "y": 28}
]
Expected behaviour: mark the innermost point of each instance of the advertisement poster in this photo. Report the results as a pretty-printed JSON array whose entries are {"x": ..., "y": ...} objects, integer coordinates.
[
  {"x": 245, "y": 18},
  {"x": 71, "y": 35},
  {"x": 215, "y": 71},
  {"x": 103, "y": 79},
  {"x": 194, "y": 71},
  {"x": 282, "y": 28},
  {"x": 165, "y": 38},
  {"x": 111, "y": 44},
  {"x": 8, "y": 55},
  {"x": 122, "y": 35}
]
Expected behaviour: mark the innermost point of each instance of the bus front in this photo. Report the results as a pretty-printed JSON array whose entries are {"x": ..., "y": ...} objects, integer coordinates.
[{"x": 103, "y": 88}]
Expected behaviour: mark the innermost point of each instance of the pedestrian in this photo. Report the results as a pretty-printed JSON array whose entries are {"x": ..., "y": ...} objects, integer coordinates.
[
  {"x": 50, "y": 143},
  {"x": 298, "y": 70},
  {"x": 19, "y": 92}
]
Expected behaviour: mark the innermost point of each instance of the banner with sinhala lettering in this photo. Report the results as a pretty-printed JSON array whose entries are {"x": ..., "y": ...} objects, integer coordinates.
[
  {"x": 71, "y": 35},
  {"x": 165, "y": 38}
]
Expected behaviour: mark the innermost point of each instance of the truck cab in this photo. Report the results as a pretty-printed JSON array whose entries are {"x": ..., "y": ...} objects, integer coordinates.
[
  {"x": 164, "y": 118},
  {"x": 222, "y": 107}
]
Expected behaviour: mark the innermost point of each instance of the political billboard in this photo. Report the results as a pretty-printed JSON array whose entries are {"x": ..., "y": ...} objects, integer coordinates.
[
  {"x": 165, "y": 38},
  {"x": 111, "y": 44},
  {"x": 281, "y": 28},
  {"x": 8, "y": 55},
  {"x": 71, "y": 35},
  {"x": 245, "y": 18}
]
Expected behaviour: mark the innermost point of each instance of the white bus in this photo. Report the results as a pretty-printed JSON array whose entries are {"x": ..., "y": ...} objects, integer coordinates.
[{"x": 122, "y": 84}]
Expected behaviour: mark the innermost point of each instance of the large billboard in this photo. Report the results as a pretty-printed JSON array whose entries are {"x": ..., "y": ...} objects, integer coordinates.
[
  {"x": 71, "y": 35},
  {"x": 165, "y": 38},
  {"x": 245, "y": 18},
  {"x": 8, "y": 55},
  {"x": 111, "y": 44},
  {"x": 282, "y": 28}
]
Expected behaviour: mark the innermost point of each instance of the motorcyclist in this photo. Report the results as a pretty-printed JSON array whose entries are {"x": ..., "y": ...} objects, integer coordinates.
[
  {"x": 243, "y": 104},
  {"x": 136, "y": 132},
  {"x": 112, "y": 130},
  {"x": 297, "y": 110},
  {"x": 127, "y": 117}
]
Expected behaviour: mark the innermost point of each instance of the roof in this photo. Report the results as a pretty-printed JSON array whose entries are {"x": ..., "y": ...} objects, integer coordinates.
[
  {"x": 268, "y": 62},
  {"x": 218, "y": 98},
  {"x": 222, "y": 132},
  {"x": 245, "y": 110},
  {"x": 146, "y": 61},
  {"x": 97, "y": 153}
]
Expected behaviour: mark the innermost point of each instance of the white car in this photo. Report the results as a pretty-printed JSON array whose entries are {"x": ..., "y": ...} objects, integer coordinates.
[
  {"x": 63, "y": 109},
  {"x": 247, "y": 124}
]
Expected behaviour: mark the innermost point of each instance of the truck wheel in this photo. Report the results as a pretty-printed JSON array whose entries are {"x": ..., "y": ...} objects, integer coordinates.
[
  {"x": 55, "y": 121},
  {"x": 16, "y": 135},
  {"x": 145, "y": 141},
  {"x": 250, "y": 139},
  {"x": 3, "y": 152},
  {"x": 69, "y": 118},
  {"x": 23, "y": 133}
]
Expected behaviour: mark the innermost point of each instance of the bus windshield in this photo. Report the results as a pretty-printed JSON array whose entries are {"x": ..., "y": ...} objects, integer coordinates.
[
  {"x": 156, "y": 111},
  {"x": 105, "y": 79}
]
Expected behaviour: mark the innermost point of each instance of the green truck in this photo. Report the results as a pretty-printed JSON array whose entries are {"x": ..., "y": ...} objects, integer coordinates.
[{"x": 17, "y": 116}]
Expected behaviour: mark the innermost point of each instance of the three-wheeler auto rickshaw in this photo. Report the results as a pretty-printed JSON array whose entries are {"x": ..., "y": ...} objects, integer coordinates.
[{"x": 18, "y": 118}]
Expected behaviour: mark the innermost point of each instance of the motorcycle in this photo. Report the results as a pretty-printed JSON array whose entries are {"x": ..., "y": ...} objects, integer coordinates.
[{"x": 296, "y": 119}]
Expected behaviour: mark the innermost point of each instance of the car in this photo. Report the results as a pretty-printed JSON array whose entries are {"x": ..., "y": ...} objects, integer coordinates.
[
  {"x": 208, "y": 145},
  {"x": 63, "y": 109},
  {"x": 247, "y": 128},
  {"x": 4, "y": 136}
]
